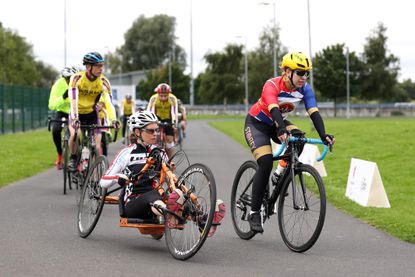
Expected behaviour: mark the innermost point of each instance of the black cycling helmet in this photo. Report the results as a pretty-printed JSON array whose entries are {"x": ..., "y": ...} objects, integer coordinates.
[{"x": 93, "y": 58}]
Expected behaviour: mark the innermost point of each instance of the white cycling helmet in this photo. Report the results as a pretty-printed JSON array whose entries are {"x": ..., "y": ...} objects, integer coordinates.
[
  {"x": 141, "y": 119},
  {"x": 69, "y": 71}
]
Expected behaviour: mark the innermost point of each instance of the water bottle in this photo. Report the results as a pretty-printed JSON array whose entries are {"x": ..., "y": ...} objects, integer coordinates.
[
  {"x": 84, "y": 157},
  {"x": 282, "y": 165}
]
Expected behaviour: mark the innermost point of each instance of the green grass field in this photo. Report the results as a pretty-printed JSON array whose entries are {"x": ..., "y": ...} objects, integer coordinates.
[
  {"x": 25, "y": 154},
  {"x": 388, "y": 142}
]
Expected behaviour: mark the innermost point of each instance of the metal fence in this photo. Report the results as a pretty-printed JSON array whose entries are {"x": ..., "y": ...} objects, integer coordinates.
[{"x": 22, "y": 108}]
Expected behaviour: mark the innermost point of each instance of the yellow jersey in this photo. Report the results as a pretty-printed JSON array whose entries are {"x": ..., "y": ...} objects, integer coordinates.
[
  {"x": 84, "y": 94},
  {"x": 167, "y": 110},
  {"x": 127, "y": 109}
]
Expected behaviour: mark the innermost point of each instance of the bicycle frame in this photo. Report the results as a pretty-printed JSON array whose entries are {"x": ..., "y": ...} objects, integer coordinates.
[{"x": 292, "y": 167}]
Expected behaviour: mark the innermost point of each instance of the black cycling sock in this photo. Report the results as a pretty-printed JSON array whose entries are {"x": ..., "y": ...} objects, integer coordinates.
[{"x": 261, "y": 181}]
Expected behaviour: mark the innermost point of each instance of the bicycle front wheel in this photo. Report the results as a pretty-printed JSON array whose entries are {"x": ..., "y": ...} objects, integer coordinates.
[
  {"x": 241, "y": 198},
  {"x": 184, "y": 242},
  {"x": 92, "y": 198},
  {"x": 302, "y": 209}
]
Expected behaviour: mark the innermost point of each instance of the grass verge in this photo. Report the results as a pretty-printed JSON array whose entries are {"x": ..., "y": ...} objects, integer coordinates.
[
  {"x": 384, "y": 141},
  {"x": 25, "y": 154}
]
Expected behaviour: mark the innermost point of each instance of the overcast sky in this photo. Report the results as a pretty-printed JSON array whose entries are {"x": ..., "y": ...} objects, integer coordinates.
[{"x": 100, "y": 25}]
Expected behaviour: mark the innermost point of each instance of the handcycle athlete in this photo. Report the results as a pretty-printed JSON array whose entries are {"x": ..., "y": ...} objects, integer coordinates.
[
  {"x": 267, "y": 119},
  {"x": 141, "y": 198}
]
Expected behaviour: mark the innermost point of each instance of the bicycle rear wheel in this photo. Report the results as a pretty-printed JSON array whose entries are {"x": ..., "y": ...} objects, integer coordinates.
[
  {"x": 241, "y": 197},
  {"x": 184, "y": 242},
  {"x": 92, "y": 198},
  {"x": 302, "y": 211}
]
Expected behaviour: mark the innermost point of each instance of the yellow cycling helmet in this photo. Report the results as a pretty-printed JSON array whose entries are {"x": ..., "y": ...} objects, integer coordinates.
[{"x": 296, "y": 60}]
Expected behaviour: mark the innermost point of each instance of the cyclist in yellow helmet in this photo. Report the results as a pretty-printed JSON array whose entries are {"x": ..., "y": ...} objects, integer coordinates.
[{"x": 267, "y": 119}]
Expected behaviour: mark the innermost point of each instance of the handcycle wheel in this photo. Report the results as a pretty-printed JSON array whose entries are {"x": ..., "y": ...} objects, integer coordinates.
[
  {"x": 92, "y": 198},
  {"x": 301, "y": 225},
  {"x": 157, "y": 237},
  {"x": 241, "y": 197},
  {"x": 181, "y": 161},
  {"x": 66, "y": 174},
  {"x": 184, "y": 242}
]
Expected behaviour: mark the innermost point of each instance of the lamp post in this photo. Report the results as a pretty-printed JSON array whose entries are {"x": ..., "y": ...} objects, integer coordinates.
[
  {"x": 347, "y": 83},
  {"x": 192, "y": 97},
  {"x": 309, "y": 42},
  {"x": 246, "y": 75},
  {"x": 274, "y": 37},
  {"x": 64, "y": 33}
]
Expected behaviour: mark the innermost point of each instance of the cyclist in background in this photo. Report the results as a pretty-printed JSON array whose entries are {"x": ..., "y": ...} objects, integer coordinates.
[
  {"x": 127, "y": 108},
  {"x": 59, "y": 102},
  {"x": 106, "y": 136},
  {"x": 164, "y": 105},
  {"x": 267, "y": 119},
  {"x": 85, "y": 89},
  {"x": 182, "y": 116}
]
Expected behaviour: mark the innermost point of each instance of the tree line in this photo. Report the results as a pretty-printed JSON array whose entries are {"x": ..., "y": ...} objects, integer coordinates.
[
  {"x": 151, "y": 45},
  {"x": 18, "y": 65}
]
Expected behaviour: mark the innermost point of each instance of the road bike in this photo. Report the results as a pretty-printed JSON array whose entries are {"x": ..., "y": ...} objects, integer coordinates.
[
  {"x": 301, "y": 194},
  {"x": 194, "y": 221},
  {"x": 86, "y": 154},
  {"x": 65, "y": 151}
]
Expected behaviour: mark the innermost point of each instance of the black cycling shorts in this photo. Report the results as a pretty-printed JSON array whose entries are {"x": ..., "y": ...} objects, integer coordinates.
[
  {"x": 90, "y": 119},
  {"x": 258, "y": 135},
  {"x": 168, "y": 129}
]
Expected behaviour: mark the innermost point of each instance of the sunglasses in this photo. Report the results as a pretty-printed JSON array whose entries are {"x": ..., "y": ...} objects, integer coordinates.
[
  {"x": 151, "y": 131},
  {"x": 302, "y": 73}
]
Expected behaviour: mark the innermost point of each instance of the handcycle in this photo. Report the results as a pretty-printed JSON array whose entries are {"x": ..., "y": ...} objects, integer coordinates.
[
  {"x": 194, "y": 222},
  {"x": 86, "y": 154},
  {"x": 65, "y": 151},
  {"x": 301, "y": 193}
]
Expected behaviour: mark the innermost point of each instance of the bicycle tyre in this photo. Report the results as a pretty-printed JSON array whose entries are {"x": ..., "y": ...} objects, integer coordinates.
[
  {"x": 181, "y": 161},
  {"x": 296, "y": 222},
  {"x": 84, "y": 173},
  {"x": 241, "y": 197},
  {"x": 184, "y": 243},
  {"x": 65, "y": 159},
  {"x": 92, "y": 198}
]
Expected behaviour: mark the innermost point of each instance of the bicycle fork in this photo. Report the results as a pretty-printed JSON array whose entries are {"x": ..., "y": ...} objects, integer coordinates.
[{"x": 294, "y": 166}]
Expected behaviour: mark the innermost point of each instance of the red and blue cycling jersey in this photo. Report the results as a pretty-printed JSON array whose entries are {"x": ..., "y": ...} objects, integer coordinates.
[{"x": 275, "y": 93}]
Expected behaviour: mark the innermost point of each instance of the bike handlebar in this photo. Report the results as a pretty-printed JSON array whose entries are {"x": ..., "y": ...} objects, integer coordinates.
[
  {"x": 63, "y": 121},
  {"x": 305, "y": 140}
]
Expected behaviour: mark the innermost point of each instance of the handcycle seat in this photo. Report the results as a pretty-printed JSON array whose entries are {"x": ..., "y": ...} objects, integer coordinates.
[
  {"x": 145, "y": 226},
  {"x": 111, "y": 199}
]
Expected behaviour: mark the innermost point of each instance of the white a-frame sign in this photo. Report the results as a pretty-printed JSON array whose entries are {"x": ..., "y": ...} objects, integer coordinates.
[
  {"x": 309, "y": 156},
  {"x": 365, "y": 186}
]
